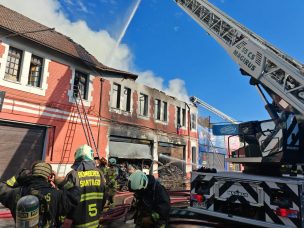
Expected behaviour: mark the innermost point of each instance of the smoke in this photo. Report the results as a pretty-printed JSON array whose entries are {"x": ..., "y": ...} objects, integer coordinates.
[
  {"x": 99, "y": 43},
  {"x": 176, "y": 87}
]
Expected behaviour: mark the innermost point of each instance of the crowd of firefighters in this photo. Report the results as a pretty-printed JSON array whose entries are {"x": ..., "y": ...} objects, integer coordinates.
[{"x": 79, "y": 198}]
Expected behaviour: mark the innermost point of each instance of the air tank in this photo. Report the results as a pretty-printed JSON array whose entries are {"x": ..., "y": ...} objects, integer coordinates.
[{"x": 27, "y": 212}]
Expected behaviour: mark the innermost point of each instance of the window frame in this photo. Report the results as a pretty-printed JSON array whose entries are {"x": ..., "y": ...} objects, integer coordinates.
[
  {"x": 157, "y": 109},
  {"x": 193, "y": 121},
  {"x": 128, "y": 94},
  {"x": 9, "y": 63},
  {"x": 86, "y": 86},
  {"x": 183, "y": 117},
  {"x": 143, "y": 110},
  {"x": 178, "y": 116},
  {"x": 165, "y": 111},
  {"x": 116, "y": 94},
  {"x": 38, "y": 85}
]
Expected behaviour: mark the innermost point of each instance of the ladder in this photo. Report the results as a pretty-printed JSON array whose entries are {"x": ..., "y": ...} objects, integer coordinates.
[
  {"x": 84, "y": 119},
  {"x": 275, "y": 70},
  {"x": 196, "y": 100},
  {"x": 68, "y": 142}
]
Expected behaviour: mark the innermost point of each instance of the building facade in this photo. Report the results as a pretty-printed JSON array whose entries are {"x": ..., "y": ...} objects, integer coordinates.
[{"x": 41, "y": 73}]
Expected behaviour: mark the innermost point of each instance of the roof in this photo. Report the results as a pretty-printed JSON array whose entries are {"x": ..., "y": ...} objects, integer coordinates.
[{"x": 17, "y": 23}]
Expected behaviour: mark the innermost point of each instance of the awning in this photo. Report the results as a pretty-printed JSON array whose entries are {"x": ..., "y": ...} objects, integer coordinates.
[{"x": 130, "y": 150}]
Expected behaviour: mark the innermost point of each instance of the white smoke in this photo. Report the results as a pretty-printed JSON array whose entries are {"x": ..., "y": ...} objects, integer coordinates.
[{"x": 98, "y": 43}]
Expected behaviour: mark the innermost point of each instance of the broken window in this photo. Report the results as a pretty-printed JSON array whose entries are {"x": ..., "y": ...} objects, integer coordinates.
[
  {"x": 165, "y": 111},
  {"x": 13, "y": 64},
  {"x": 194, "y": 155},
  {"x": 183, "y": 117},
  {"x": 157, "y": 109},
  {"x": 143, "y": 104},
  {"x": 81, "y": 85},
  {"x": 127, "y": 95},
  {"x": 116, "y": 96},
  {"x": 35, "y": 73},
  {"x": 193, "y": 121},
  {"x": 178, "y": 116}
]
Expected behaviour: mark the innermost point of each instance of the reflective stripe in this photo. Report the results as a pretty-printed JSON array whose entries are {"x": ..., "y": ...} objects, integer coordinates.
[
  {"x": 11, "y": 182},
  {"x": 89, "y": 224},
  {"x": 90, "y": 196}
]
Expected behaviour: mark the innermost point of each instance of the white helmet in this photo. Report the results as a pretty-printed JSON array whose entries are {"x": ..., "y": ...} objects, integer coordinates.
[
  {"x": 84, "y": 153},
  {"x": 138, "y": 180}
]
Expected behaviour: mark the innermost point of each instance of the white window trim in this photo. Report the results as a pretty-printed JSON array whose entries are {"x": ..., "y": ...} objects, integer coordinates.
[
  {"x": 86, "y": 102},
  {"x": 138, "y": 107},
  {"x": 162, "y": 121},
  {"x": 181, "y": 115},
  {"x": 24, "y": 72},
  {"x": 122, "y": 100},
  {"x": 193, "y": 113}
]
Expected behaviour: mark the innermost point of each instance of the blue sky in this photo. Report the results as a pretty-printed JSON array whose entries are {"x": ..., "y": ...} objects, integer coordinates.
[{"x": 165, "y": 42}]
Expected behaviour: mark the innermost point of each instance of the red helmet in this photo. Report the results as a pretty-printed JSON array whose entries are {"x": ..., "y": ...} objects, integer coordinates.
[{"x": 103, "y": 161}]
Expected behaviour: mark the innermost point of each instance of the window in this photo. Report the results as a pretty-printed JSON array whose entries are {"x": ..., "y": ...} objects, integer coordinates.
[
  {"x": 194, "y": 158},
  {"x": 80, "y": 84},
  {"x": 143, "y": 104},
  {"x": 165, "y": 111},
  {"x": 34, "y": 77},
  {"x": 183, "y": 117},
  {"x": 157, "y": 108},
  {"x": 13, "y": 64},
  {"x": 127, "y": 94},
  {"x": 116, "y": 95},
  {"x": 193, "y": 121},
  {"x": 178, "y": 116}
]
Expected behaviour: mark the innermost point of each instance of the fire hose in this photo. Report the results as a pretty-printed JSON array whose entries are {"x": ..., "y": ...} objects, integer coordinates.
[
  {"x": 120, "y": 211},
  {"x": 5, "y": 214}
]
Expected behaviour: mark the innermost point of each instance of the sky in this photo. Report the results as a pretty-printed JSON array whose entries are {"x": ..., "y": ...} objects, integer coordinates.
[{"x": 168, "y": 50}]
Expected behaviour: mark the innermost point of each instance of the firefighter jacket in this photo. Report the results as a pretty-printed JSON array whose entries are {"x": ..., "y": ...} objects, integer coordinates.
[
  {"x": 92, "y": 188},
  {"x": 54, "y": 203},
  {"x": 153, "y": 204},
  {"x": 111, "y": 174}
]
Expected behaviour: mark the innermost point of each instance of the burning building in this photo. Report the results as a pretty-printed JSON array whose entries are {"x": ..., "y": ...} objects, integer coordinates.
[{"x": 43, "y": 77}]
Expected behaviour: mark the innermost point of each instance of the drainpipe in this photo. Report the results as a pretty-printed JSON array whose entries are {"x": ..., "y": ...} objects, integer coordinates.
[{"x": 100, "y": 110}]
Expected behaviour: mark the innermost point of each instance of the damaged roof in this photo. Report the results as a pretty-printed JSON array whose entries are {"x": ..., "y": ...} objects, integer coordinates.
[{"x": 23, "y": 26}]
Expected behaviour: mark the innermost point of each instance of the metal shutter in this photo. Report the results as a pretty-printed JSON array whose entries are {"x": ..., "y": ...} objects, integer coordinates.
[{"x": 20, "y": 146}]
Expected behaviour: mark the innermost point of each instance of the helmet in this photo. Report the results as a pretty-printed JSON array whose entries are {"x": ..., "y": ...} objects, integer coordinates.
[
  {"x": 138, "y": 180},
  {"x": 112, "y": 161},
  {"x": 84, "y": 153},
  {"x": 42, "y": 169},
  {"x": 103, "y": 161}
]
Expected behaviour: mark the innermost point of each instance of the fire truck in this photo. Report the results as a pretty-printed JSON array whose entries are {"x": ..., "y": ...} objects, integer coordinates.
[{"x": 261, "y": 195}]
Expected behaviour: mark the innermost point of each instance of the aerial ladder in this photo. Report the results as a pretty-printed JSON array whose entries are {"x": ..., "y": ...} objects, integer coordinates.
[
  {"x": 271, "y": 70},
  {"x": 261, "y": 195},
  {"x": 196, "y": 100},
  {"x": 282, "y": 75}
]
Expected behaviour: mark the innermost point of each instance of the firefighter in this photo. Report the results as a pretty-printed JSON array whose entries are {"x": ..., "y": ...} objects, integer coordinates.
[
  {"x": 102, "y": 164},
  {"x": 151, "y": 201},
  {"x": 111, "y": 176},
  {"x": 54, "y": 203},
  {"x": 92, "y": 187}
]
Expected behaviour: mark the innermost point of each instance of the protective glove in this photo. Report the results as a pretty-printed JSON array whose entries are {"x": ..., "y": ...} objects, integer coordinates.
[{"x": 155, "y": 216}]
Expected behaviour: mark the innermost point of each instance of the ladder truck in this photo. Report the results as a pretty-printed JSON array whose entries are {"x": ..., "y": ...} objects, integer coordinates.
[{"x": 261, "y": 195}]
